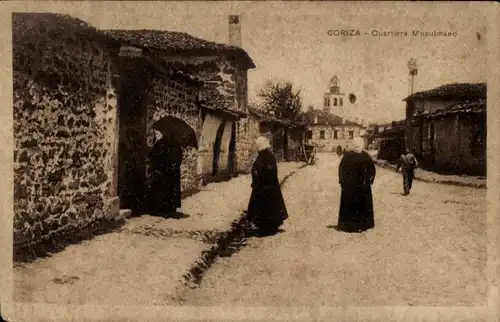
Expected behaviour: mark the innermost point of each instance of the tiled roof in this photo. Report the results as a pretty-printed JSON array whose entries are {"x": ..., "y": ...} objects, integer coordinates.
[
  {"x": 454, "y": 91},
  {"x": 476, "y": 106},
  {"x": 173, "y": 42},
  {"x": 391, "y": 132},
  {"x": 326, "y": 118}
]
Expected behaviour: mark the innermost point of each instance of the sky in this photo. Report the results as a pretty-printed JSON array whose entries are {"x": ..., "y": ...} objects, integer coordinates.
[{"x": 289, "y": 41}]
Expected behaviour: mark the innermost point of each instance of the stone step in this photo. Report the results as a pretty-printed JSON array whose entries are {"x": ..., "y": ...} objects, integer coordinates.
[{"x": 124, "y": 214}]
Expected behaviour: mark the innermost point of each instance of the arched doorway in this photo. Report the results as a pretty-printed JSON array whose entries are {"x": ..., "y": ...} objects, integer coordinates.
[
  {"x": 178, "y": 128},
  {"x": 132, "y": 147},
  {"x": 217, "y": 148},
  {"x": 232, "y": 152}
]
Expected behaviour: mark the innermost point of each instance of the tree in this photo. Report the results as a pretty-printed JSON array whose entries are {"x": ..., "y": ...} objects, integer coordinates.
[{"x": 280, "y": 99}]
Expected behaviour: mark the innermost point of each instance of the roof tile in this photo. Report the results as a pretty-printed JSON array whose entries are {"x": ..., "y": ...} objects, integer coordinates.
[
  {"x": 175, "y": 42},
  {"x": 454, "y": 90}
]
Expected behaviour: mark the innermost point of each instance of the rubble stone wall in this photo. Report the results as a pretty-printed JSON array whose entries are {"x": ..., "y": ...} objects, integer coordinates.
[
  {"x": 171, "y": 97},
  {"x": 224, "y": 83},
  {"x": 248, "y": 129},
  {"x": 64, "y": 116}
]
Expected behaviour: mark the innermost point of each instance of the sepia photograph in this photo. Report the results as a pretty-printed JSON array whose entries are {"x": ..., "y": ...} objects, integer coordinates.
[{"x": 250, "y": 161}]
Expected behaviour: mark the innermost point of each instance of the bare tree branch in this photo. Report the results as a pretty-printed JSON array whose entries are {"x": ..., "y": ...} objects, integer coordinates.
[{"x": 281, "y": 100}]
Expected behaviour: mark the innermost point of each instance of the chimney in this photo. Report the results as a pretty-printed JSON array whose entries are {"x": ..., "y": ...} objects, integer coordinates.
[{"x": 234, "y": 30}]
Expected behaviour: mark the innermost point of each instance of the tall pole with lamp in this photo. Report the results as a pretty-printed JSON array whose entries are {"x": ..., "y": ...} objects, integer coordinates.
[{"x": 413, "y": 69}]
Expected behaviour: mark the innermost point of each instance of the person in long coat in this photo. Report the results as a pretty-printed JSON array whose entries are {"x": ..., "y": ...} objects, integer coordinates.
[
  {"x": 266, "y": 209},
  {"x": 339, "y": 151},
  {"x": 356, "y": 175},
  {"x": 165, "y": 187}
]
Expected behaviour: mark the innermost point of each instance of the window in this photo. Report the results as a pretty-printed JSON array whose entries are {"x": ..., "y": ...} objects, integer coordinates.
[
  {"x": 341, "y": 102},
  {"x": 336, "y": 134},
  {"x": 321, "y": 134},
  {"x": 326, "y": 101},
  {"x": 351, "y": 135},
  {"x": 334, "y": 102},
  {"x": 309, "y": 135}
]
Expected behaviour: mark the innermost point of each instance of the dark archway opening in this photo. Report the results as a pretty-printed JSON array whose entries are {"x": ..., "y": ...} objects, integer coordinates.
[
  {"x": 178, "y": 129},
  {"x": 132, "y": 149},
  {"x": 232, "y": 152},
  {"x": 217, "y": 148}
]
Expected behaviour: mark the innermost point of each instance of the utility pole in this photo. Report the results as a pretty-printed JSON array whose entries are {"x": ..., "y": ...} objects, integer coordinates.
[{"x": 413, "y": 69}]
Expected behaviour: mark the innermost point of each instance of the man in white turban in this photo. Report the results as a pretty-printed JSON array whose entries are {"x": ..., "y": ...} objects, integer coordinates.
[
  {"x": 356, "y": 175},
  {"x": 266, "y": 208}
]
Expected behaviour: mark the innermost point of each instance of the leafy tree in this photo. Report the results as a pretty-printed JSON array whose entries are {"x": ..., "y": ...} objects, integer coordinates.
[{"x": 281, "y": 100}]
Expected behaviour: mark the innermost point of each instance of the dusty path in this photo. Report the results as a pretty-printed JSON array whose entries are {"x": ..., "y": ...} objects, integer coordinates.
[{"x": 427, "y": 249}]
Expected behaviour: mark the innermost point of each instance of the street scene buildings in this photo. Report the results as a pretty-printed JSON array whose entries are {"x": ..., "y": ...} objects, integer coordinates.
[
  {"x": 333, "y": 125},
  {"x": 96, "y": 108}
]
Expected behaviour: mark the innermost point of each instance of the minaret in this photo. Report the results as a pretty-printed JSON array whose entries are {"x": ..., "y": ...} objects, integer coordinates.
[
  {"x": 334, "y": 85},
  {"x": 235, "y": 30}
]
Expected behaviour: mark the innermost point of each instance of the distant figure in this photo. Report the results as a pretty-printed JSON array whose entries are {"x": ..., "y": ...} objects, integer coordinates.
[
  {"x": 339, "y": 150},
  {"x": 266, "y": 208},
  {"x": 165, "y": 188},
  {"x": 407, "y": 163},
  {"x": 356, "y": 175}
]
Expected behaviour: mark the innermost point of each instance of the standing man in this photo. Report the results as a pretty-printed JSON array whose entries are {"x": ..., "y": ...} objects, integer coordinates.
[
  {"x": 356, "y": 175},
  {"x": 407, "y": 163},
  {"x": 266, "y": 209}
]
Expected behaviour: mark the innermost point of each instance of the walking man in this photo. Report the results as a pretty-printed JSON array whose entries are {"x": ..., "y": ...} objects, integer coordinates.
[{"x": 407, "y": 164}]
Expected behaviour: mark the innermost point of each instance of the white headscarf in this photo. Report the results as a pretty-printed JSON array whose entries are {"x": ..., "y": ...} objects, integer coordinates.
[
  {"x": 262, "y": 143},
  {"x": 358, "y": 144}
]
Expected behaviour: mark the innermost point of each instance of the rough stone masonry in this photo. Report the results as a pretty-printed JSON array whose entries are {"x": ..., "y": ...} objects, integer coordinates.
[
  {"x": 67, "y": 120},
  {"x": 64, "y": 107}
]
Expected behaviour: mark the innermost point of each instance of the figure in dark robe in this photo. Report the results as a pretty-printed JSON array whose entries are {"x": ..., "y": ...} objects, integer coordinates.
[
  {"x": 165, "y": 187},
  {"x": 266, "y": 209},
  {"x": 356, "y": 175},
  {"x": 407, "y": 164},
  {"x": 339, "y": 150}
]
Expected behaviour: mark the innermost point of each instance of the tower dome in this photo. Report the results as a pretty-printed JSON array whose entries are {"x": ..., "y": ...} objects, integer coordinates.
[
  {"x": 334, "y": 81},
  {"x": 334, "y": 85}
]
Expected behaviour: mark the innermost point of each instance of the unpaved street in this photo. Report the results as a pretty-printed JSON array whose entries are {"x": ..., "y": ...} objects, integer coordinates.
[{"x": 427, "y": 249}]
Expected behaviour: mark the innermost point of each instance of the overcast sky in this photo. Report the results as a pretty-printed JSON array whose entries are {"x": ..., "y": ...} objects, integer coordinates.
[{"x": 290, "y": 41}]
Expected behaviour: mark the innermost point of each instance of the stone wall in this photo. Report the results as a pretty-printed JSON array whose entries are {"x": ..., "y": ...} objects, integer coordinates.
[
  {"x": 64, "y": 119},
  {"x": 248, "y": 130},
  {"x": 173, "y": 97},
  {"x": 224, "y": 82}
]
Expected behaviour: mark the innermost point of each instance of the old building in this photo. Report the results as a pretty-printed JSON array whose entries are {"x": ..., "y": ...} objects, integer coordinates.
[
  {"x": 327, "y": 131},
  {"x": 286, "y": 138},
  {"x": 446, "y": 128},
  {"x": 339, "y": 104},
  {"x": 334, "y": 99},
  {"x": 220, "y": 102},
  {"x": 91, "y": 105},
  {"x": 391, "y": 141}
]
